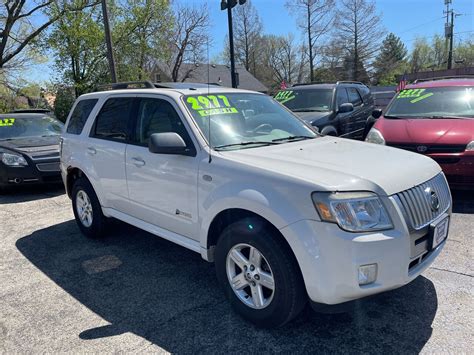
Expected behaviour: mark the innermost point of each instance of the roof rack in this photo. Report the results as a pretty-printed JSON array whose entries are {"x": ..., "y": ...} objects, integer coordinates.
[
  {"x": 336, "y": 83},
  {"x": 466, "y": 76},
  {"x": 127, "y": 85}
]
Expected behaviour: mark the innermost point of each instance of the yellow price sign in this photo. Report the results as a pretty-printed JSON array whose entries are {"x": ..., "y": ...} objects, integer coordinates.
[{"x": 6, "y": 122}]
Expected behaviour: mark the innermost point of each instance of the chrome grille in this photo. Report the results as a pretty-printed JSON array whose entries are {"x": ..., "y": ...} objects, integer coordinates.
[
  {"x": 48, "y": 166},
  {"x": 416, "y": 202}
]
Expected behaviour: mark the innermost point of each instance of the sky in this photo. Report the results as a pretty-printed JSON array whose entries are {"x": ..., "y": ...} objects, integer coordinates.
[{"x": 408, "y": 19}]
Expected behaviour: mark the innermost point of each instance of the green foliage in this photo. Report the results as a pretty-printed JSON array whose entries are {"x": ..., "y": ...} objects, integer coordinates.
[
  {"x": 390, "y": 60},
  {"x": 64, "y": 100}
]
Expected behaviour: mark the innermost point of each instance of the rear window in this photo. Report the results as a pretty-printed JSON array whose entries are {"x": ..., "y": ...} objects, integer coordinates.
[
  {"x": 79, "y": 116},
  {"x": 113, "y": 118}
]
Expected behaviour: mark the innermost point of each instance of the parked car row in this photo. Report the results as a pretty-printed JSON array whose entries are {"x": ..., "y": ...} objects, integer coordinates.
[{"x": 287, "y": 215}]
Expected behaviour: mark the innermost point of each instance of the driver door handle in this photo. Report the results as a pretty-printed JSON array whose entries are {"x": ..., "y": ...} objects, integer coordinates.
[
  {"x": 138, "y": 162},
  {"x": 91, "y": 150}
]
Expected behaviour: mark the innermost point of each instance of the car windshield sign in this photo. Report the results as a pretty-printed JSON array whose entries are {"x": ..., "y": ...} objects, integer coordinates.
[
  {"x": 437, "y": 102},
  {"x": 244, "y": 121},
  {"x": 306, "y": 100},
  {"x": 21, "y": 127}
]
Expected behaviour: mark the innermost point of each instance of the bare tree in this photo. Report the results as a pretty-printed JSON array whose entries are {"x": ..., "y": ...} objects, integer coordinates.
[
  {"x": 189, "y": 38},
  {"x": 247, "y": 33},
  {"x": 315, "y": 18},
  {"x": 359, "y": 30},
  {"x": 18, "y": 31}
]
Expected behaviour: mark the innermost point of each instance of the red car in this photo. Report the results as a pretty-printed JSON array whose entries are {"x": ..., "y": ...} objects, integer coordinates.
[{"x": 435, "y": 118}]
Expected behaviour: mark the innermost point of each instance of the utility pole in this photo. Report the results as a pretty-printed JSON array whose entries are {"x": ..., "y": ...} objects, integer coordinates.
[
  {"x": 449, "y": 31},
  {"x": 108, "y": 40},
  {"x": 229, "y": 4}
]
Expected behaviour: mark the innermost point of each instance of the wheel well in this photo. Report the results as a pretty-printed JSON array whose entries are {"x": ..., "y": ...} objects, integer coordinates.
[
  {"x": 229, "y": 216},
  {"x": 72, "y": 175},
  {"x": 329, "y": 131}
]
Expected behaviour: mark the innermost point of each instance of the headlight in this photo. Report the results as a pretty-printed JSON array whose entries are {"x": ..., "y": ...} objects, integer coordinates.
[
  {"x": 352, "y": 211},
  {"x": 374, "y": 136},
  {"x": 12, "y": 159},
  {"x": 470, "y": 146}
]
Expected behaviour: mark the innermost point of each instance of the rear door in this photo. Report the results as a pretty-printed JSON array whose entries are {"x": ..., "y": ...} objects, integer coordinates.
[
  {"x": 358, "y": 118},
  {"x": 162, "y": 187},
  {"x": 345, "y": 124},
  {"x": 105, "y": 150}
]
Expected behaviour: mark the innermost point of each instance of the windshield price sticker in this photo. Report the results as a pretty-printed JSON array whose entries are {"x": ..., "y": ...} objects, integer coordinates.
[
  {"x": 284, "y": 96},
  {"x": 6, "y": 122},
  {"x": 414, "y": 94},
  {"x": 211, "y": 105}
]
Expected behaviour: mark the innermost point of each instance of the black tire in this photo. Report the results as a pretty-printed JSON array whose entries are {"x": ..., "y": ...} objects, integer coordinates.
[
  {"x": 289, "y": 295},
  {"x": 98, "y": 226}
]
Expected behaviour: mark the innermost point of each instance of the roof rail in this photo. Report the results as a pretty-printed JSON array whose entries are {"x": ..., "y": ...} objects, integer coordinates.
[
  {"x": 127, "y": 85},
  {"x": 466, "y": 76},
  {"x": 350, "y": 82},
  {"x": 311, "y": 83}
]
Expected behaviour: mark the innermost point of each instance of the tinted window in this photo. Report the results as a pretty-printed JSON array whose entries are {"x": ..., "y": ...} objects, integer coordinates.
[
  {"x": 354, "y": 96},
  {"x": 79, "y": 116},
  {"x": 112, "y": 120},
  {"x": 364, "y": 91},
  {"x": 341, "y": 97},
  {"x": 157, "y": 116}
]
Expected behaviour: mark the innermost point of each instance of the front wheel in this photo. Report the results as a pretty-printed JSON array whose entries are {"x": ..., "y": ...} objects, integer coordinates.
[{"x": 259, "y": 274}]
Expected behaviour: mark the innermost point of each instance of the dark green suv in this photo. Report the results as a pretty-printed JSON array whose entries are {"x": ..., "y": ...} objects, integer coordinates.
[{"x": 338, "y": 109}]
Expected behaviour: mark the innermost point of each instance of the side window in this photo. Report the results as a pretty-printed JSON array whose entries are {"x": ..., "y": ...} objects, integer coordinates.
[
  {"x": 354, "y": 96},
  {"x": 157, "y": 116},
  {"x": 79, "y": 115},
  {"x": 113, "y": 118},
  {"x": 364, "y": 91},
  {"x": 341, "y": 97}
]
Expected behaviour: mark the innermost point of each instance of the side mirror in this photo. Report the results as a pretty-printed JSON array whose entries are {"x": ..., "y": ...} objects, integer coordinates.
[
  {"x": 167, "y": 143},
  {"x": 376, "y": 113},
  {"x": 347, "y": 107}
]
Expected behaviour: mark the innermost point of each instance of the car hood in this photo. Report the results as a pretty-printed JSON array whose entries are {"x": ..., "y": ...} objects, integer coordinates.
[
  {"x": 427, "y": 131},
  {"x": 312, "y": 117},
  {"x": 337, "y": 164},
  {"x": 31, "y": 144}
]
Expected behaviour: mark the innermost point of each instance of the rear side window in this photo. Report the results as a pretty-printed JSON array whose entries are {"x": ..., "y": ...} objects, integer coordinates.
[
  {"x": 354, "y": 96},
  {"x": 112, "y": 122},
  {"x": 365, "y": 93},
  {"x": 79, "y": 115}
]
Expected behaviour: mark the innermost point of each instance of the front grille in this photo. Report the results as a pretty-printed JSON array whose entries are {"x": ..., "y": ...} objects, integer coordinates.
[
  {"x": 48, "y": 166},
  {"x": 431, "y": 149},
  {"x": 416, "y": 202}
]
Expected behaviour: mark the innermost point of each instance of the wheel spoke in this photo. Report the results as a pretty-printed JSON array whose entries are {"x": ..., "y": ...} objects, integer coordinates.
[
  {"x": 266, "y": 280},
  {"x": 257, "y": 295},
  {"x": 239, "y": 282},
  {"x": 239, "y": 258},
  {"x": 255, "y": 257}
]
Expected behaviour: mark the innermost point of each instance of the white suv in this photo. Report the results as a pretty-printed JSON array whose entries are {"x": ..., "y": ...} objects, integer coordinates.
[{"x": 286, "y": 214}]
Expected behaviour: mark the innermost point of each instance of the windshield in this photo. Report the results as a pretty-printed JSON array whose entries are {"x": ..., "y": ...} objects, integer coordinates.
[
  {"x": 433, "y": 103},
  {"x": 240, "y": 120},
  {"x": 306, "y": 100},
  {"x": 29, "y": 126}
]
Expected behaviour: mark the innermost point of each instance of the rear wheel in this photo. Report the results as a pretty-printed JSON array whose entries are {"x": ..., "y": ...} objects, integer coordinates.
[
  {"x": 259, "y": 274},
  {"x": 87, "y": 209}
]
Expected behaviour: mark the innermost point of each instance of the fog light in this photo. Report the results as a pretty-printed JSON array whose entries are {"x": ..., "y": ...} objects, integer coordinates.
[{"x": 367, "y": 274}]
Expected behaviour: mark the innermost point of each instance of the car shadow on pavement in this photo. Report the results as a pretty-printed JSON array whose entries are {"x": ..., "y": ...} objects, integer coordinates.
[
  {"x": 168, "y": 295},
  {"x": 463, "y": 201},
  {"x": 26, "y": 193}
]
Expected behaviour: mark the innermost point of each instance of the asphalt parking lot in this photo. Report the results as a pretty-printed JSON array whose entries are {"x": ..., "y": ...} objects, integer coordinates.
[{"x": 134, "y": 292}]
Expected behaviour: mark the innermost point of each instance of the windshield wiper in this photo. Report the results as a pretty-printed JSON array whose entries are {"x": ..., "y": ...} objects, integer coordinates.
[
  {"x": 291, "y": 138},
  {"x": 244, "y": 144},
  {"x": 447, "y": 117}
]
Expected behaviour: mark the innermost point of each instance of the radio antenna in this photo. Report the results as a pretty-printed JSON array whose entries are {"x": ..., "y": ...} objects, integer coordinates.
[{"x": 208, "y": 92}]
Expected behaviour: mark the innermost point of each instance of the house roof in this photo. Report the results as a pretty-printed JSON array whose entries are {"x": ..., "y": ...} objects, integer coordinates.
[{"x": 219, "y": 74}]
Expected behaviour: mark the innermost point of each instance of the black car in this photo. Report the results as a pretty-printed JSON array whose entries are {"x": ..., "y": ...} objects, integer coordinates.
[
  {"x": 339, "y": 109},
  {"x": 29, "y": 149}
]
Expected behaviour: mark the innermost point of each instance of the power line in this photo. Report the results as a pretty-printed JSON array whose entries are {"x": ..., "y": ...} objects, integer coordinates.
[{"x": 421, "y": 25}]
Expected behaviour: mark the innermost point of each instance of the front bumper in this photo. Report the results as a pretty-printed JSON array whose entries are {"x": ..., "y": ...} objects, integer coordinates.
[
  {"x": 458, "y": 168},
  {"x": 329, "y": 259},
  {"x": 46, "y": 171}
]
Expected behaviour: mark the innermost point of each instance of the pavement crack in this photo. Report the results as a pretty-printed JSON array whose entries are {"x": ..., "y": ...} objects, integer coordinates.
[{"x": 454, "y": 272}]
